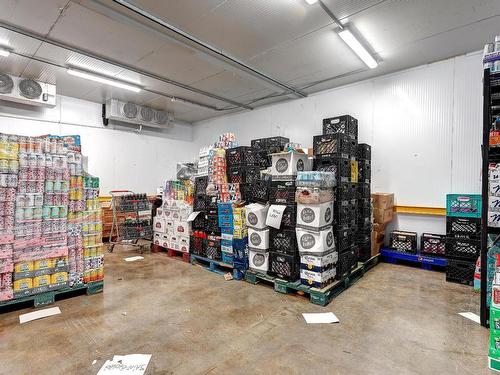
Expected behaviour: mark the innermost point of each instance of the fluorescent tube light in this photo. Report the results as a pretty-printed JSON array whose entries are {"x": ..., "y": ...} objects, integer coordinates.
[
  {"x": 358, "y": 48},
  {"x": 4, "y": 52},
  {"x": 100, "y": 79},
  {"x": 311, "y": 2}
]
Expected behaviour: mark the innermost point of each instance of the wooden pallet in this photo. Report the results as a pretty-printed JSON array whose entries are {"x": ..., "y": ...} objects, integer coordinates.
[
  {"x": 178, "y": 255},
  {"x": 317, "y": 296},
  {"x": 48, "y": 298},
  {"x": 215, "y": 266},
  {"x": 425, "y": 261}
]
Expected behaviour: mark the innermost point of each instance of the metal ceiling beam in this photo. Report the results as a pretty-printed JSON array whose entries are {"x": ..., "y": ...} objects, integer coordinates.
[
  {"x": 193, "y": 42},
  {"x": 87, "y": 53}
]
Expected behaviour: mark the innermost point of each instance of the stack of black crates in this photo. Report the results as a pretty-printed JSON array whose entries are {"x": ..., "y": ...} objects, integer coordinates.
[
  {"x": 198, "y": 241},
  {"x": 463, "y": 243},
  {"x": 364, "y": 220},
  {"x": 284, "y": 259},
  {"x": 336, "y": 151}
]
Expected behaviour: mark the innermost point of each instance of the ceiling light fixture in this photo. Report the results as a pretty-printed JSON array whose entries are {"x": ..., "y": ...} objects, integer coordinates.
[
  {"x": 311, "y": 2},
  {"x": 4, "y": 52},
  {"x": 358, "y": 48},
  {"x": 101, "y": 79}
]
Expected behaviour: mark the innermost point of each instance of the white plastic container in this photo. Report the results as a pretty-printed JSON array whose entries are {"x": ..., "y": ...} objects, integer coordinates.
[{"x": 285, "y": 165}]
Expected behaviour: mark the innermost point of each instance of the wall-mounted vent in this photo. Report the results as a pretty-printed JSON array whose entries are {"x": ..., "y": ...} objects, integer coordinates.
[
  {"x": 27, "y": 91},
  {"x": 132, "y": 113}
]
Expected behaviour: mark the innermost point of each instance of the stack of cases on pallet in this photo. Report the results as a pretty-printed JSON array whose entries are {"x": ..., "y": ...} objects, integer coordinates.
[
  {"x": 493, "y": 215},
  {"x": 41, "y": 248},
  {"x": 243, "y": 167},
  {"x": 463, "y": 236},
  {"x": 93, "y": 248},
  {"x": 383, "y": 213},
  {"x": 284, "y": 258},
  {"x": 364, "y": 217},
  {"x": 234, "y": 234},
  {"x": 258, "y": 237},
  {"x": 198, "y": 239},
  {"x": 335, "y": 151},
  {"x": 314, "y": 232},
  {"x": 172, "y": 230},
  {"x": 9, "y": 169}
]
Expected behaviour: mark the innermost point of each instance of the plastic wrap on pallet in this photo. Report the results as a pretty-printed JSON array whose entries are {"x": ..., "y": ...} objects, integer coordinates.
[{"x": 316, "y": 179}]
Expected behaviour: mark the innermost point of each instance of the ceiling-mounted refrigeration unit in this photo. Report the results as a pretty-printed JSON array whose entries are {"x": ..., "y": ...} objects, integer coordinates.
[
  {"x": 132, "y": 113},
  {"x": 27, "y": 91}
]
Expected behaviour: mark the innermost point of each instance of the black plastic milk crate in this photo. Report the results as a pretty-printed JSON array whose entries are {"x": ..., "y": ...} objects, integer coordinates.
[
  {"x": 264, "y": 160},
  {"x": 283, "y": 241},
  {"x": 276, "y": 144},
  {"x": 332, "y": 145},
  {"x": 200, "y": 184},
  {"x": 281, "y": 195},
  {"x": 364, "y": 251},
  {"x": 364, "y": 152},
  {"x": 212, "y": 224},
  {"x": 459, "y": 271},
  {"x": 200, "y": 202},
  {"x": 462, "y": 248},
  {"x": 198, "y": 245},
  {"x": 344, "y": 215},
  {"x": 284, "y": 266},
  {"x": 338, "y": 165},
  {"x": 288, "y": 219},
  {"x": 363, "y": 190},
  {"x": 200, "y": 221},
  {"x": 341, "y": 124},
  {"x": 364, "y": 207},
  {"x": 242, "y": 155},
  {"x": 243, "y": 174},
  {"x": 364, "y": 171},
  {"x": 348, "y": 261},
  {"x": 343, "y": 239},
  {"x": 433, "y": 244},
  {"x": 405, "y": 242},
  {"x": 257, "y": 192},
  {"x": 364, "y": 221},
  {"x": 463, "y": 227},
  {"x": 213, "y": 250}
]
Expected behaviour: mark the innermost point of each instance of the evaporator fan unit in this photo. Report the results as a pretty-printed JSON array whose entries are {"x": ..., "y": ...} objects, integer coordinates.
[
  {"x": 30, "y": 89},
  {"x": 6, "y": 84},
  {"x": 147, "y": 114},
  {"x": 161, "y": 117},
  {"x": 132, "y": 113},
  {"x": 130, "y": 110}
]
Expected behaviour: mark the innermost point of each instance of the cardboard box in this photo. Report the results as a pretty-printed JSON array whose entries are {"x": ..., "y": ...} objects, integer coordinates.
[
  {"x": 157, "y": 238},
  {"x": 383, "y": 200},
  {"x": 182, "y": 228},
  {"x": 317, "y": 279},
  {"x": 383, "y": 215},
  {"x": 312, "y": 242},
  {"x": 184, "y": 244},
  {"x": 256, "y": 215},
  {"x": 165, "y": 241},
  {"x": 159, "y": 224},
  {"x": 379, "y": 227},
  {"x": 258, "y": 239},
  {"x": 285, "y": 165},
  {"x": 314, "y": 216},
  {"x": 318, "y": 263}
]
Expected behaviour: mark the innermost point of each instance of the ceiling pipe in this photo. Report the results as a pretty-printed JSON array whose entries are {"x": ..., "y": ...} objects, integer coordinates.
[
  {"x": 119, "y": 64},
  {"x": 193, "y": 42}
]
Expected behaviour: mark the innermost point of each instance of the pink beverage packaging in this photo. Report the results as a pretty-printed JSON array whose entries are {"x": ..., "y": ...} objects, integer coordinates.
[
  {"x": 31, "y": 187},
  {"x": 54, "y": 227},
  {"x": 3, "y": 194},
  {"x": 66, "y": 175},
  {"x": 3, "y": 180},
  {"x": 40, "y": 161},
  {"x": 71, "y": 157},
  {"x": 31, "y": 144},
  {"x": 40, "y": 187},
  {"x": 46, "y": 227},
  {"x": 53, "y": 146},
  {"x": 31, "y": 174},
  {"x": 38, "y": 200},
  {"x": 40, "y": 173},
  {"x": 50, "y": 174},
  {"x": 23, "y": 144},
  {"x": 2, "y": 223},
  {"x": 23, "y": 173},
  {"x": 49, "y": 161},
  {"x": 59, "y": 175},
  {"x": 9, "y": 222},
  {"x": 20, "y": 200},
  {"x": 37, "y": 213},
  {"x": 39, "y": 145},
  {"x": 22, "y": 186},
  {"x": 23, "y": 160},
  {"x": 64, "y": 226},
  {"x": 9, "y": 207},
  {"x": 64, "y": 199},
  {"x": 10, "y": 194}
]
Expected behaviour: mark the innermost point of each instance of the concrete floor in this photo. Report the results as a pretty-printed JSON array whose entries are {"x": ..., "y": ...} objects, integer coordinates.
[{"x": 395, "y": 320}]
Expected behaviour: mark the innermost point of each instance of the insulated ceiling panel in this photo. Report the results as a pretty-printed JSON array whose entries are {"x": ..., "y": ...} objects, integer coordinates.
[
  {"x": 347, "y": 8},
  {"x": 240, "y": 27},
  {"x": 38, "y": 16},
  {"x": 14, "y": 64}
]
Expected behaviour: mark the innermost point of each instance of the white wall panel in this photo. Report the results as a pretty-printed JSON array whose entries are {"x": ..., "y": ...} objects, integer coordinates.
[
  {"x": 123, "y": 159},
  {"x": 424, "y": 125}
]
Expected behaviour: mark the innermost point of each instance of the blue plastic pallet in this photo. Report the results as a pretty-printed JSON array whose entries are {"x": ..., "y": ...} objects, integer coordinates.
[
  {"x": 392, "y": 256},
  {"x": 215, "y": 266}
]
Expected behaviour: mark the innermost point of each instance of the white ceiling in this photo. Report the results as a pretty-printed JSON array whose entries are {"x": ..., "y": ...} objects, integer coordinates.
[{"x": 289, "y": 40}]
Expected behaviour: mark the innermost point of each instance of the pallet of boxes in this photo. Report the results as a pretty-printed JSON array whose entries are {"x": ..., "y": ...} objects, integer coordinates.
[{"x": 383, "y": 213}]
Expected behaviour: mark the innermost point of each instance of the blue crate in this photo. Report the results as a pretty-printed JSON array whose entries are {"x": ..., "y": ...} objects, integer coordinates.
[
  {"x": 225, "y": 221},
  {"x": 463, "y": 205},
  {"x": 227, "y": 258},
  {"x": 225, "y": 208},
  {"x": 240, "y": 263}
]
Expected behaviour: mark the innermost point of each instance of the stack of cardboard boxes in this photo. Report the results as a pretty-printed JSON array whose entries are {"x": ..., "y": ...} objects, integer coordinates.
[{"x": 383, "y": 213}]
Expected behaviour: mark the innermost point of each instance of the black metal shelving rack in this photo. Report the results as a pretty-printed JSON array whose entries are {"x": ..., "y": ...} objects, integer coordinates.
[{"x": 491, "y": 109}]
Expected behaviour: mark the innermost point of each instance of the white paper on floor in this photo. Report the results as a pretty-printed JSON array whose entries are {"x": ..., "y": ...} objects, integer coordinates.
[
  {"x": 471, "y": 316},
  {"x": 314, "y": 318},
  {"x": 133, "y": 364},
  {"x": 23, "y": 318},
  {"x": 133, "y": 259}
]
